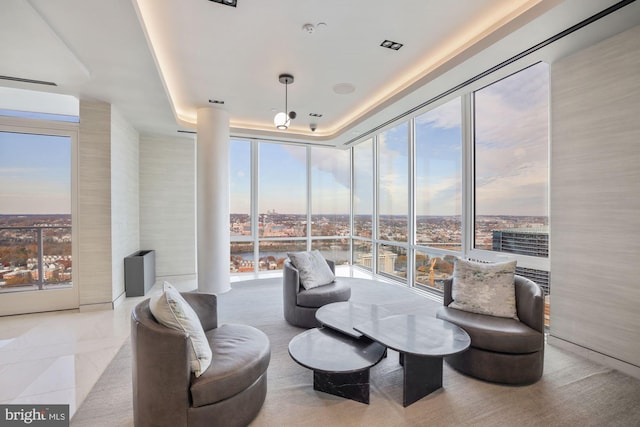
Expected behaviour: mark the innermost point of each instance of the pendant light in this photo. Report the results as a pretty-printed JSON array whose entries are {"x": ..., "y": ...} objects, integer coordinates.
[{"x": 282, "y": 120}]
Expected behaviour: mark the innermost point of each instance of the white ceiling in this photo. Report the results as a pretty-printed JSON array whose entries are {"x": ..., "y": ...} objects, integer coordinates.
[{"x": 158, "y": 61}]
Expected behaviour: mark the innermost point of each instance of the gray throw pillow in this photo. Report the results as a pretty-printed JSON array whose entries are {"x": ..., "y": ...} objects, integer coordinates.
[
  {"x": 484, "y": 288},
  {"x": 313, "y": 268},
  {"x": 173, "y": 311}
]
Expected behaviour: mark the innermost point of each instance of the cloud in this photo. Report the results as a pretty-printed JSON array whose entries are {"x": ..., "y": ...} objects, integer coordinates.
[
  {"x": 333, "y": 162},
  {"x": 439, "y": 195},
  {"x": 512, "y": 145},
  {"x": 514, "y": 111},
  {"x": 446, "y": 116}
]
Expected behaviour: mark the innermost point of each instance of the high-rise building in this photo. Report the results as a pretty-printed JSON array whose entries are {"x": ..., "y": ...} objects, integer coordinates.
[
  {"x": 523, "y": 241},
  {"x": 526, "y": 241}
]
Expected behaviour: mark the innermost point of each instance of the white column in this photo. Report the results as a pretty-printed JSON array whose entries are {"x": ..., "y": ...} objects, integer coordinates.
[{"x": 212, "y": 158}]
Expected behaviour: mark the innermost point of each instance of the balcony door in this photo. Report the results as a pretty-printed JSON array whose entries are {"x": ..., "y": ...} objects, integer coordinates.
[{"x": 37, "y": 204}]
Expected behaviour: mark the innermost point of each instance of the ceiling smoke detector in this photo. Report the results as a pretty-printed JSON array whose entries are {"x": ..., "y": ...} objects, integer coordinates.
[
  {"x": 310, "y": 28},
  {"x": 232, "y": 3}
]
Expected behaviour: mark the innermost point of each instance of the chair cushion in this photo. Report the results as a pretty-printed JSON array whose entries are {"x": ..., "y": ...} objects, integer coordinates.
[
  {"x": 241, "y": 354},
  {"x": 313, "y": 268},
  {"x": 317, "y": 297},
  {"x": 497, "y": 334},
  {"x": 171, "y": 310},
  {"x": 484, "y": 288}
]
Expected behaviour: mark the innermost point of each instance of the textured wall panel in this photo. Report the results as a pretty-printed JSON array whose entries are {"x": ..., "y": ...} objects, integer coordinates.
[
  {"x": 94, "y": 203},
  {"x": 125, "y": 211},
  {"x": 167, "y": 203},
  {"x": 595, "y": 198}
]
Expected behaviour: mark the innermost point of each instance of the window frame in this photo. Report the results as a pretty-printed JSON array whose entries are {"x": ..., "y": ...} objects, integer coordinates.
[
  {"x": 467, "y": 186},
  {"x": 469, "y": 194},
  {"x": 69, "y": 298}
]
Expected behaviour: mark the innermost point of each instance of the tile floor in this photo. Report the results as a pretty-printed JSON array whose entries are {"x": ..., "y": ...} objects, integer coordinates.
[{"x": 57, "y": 357}]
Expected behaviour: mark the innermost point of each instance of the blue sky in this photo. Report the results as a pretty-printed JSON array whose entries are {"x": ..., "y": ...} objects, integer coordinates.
[
  {"x": 511, "y": 160},
  {"x": 438, "y": 161},
  {"x": 512, "y": 150},
  {"x": 511, "y": 163},
  {"x": 35, "y": 174},
  {"x": 283, "y": 179},
  {"x": 512, "y": 166}
]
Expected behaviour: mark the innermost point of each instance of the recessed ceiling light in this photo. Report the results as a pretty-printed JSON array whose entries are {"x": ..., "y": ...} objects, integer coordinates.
[
  {"x": 391, "y": 44},
  {"x": 216, "y": 101},
  {"x": 344, "y": 88},
  {"x": 226, "y": 2}
]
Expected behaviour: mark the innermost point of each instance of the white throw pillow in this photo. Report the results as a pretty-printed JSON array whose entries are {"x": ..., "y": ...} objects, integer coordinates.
[
  {"x": 171, "y": 310},
  {"x": 313, "y": 268},
  {"x": 484, "y": 288}
]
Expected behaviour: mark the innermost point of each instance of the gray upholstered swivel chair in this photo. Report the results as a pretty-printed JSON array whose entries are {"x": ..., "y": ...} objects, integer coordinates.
[
  {"x": 165, "y": 392},
  {"x": 502, "y": 350},
  {"x": 300, "y": 305}
]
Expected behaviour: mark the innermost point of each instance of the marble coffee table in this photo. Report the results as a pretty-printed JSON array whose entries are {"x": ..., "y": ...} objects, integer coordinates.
[
  {"x": 422, "y": 341},
  {"x": 343, "y": 316},
  {"x": 340, "y": 363}
]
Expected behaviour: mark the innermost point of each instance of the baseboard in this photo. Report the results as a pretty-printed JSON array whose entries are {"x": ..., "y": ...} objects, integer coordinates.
[
  {"x": 96, "y": 307},
  {"x": 176, "y": 277},
  {"x": 603, "y": 359}
]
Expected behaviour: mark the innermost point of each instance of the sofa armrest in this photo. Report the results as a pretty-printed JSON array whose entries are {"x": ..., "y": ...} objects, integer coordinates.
[
  {"x": 529, "y": 303},
  {"x": 290, "y": 282},
  {"x": 205, "y": 306},
  {"x": 446, "y": 291},
  {"x": 332, "y": 265}
]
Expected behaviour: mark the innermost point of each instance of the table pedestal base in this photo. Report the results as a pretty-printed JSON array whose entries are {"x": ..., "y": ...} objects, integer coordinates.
[
  {"x": 354, "y": 385},
  {"x": 422, "y": 376}
]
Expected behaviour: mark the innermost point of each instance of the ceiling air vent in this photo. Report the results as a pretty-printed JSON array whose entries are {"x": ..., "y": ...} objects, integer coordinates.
[{"x": 21, "y": 80}]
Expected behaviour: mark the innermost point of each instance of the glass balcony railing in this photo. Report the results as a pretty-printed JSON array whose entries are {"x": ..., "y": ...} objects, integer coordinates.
[{"x": 35, "y": 258}]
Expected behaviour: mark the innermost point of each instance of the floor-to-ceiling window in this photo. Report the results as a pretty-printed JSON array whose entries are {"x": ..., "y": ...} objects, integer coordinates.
[
  {"x": 512, "y": 159},
  {"x": 363, "y": 176},
  {"x": 35, "y": 215},
  {"x": 511, "y": 183},
  {"x": 241, "y": 224},
  {"x": 438, "y": 192},
  {"x": 282, "y": 202},
  {"x": 37, "y": 193},
  {"x": 330, "y": 201},
  {"x": 274, "y": 210},
  {"x": 392, "y": 217},
  {"x": 414, "y": 206}
]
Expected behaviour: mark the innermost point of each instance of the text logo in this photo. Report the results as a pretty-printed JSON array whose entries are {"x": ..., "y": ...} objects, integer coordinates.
[{"x": 34, "y": 415}]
